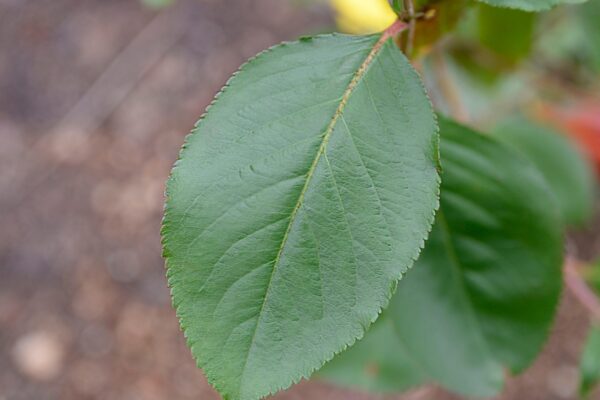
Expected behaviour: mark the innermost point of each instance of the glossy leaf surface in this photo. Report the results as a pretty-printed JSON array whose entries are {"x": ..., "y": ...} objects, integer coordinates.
[{"x": 299, "y": 200}]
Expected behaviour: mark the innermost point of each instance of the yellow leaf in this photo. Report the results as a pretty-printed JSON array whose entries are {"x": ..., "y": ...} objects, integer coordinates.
[{"x": 363, "y": 16}]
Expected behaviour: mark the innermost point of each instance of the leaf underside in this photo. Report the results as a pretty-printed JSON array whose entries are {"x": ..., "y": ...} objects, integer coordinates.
[
  {"x": 298, "y": 201},
  {"x": 483, "y": 294}
]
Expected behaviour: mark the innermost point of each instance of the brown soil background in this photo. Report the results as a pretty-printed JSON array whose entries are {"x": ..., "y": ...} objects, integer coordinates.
[{"x": 95, "y": 99}]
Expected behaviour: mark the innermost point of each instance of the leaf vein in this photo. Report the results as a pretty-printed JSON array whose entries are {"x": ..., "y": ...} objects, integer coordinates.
[{"x": 357, "y": 78}]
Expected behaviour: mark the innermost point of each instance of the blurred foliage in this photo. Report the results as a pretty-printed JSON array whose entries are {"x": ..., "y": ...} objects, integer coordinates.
[
  {"x": 464, "y": 297},
  {"x": 590, "y": 362},
  {"x": 592, "y": 276},
  {"x": 566, "y": 171},
  {"x": 567, "y": 44},
  {"x": 529, "y": 5},
  {"x": 589, "y": 16},
  {"x": 378, "y": 362},
  {"x": 507, "y": 32},
  {"x": 157, "y": 3},
  {"x": 443, "y": 17}
]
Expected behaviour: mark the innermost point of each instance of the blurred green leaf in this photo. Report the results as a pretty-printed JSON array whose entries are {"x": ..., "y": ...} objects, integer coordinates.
[
  {"x": 483, "y": 294},
  {"x": 397, "y": 6},
  {"x": 446, "y": 15},
  {"x": 157, "y": 3},
  {"x": 566, "y": 171},
  {"x": 479, "y": 87},
  {"x": 529, "y": 5},
  {"x": 589, "y": 14},
  {"x": 507, "y": 32},
  {"x": 590, "y": 362},
  {"x": 564, "y": 37},
  {"x": 591, "y": 275},
  {"x": 377, "y": 363}
]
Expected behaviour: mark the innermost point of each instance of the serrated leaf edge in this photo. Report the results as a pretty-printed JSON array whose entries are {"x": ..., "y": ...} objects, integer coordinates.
[{"x": 391, "y": 290}]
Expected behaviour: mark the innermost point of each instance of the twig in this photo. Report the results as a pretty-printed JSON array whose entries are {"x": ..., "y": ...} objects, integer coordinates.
[
  {"x": 394, "y": 29},
  {"x": 580, "y": 289},
  {"x": 447, "y": 88},
  {"x": 409, "y": 7}
]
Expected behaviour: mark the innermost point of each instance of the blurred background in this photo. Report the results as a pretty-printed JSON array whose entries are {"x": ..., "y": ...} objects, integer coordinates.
[{"x": 96, "y": 97}]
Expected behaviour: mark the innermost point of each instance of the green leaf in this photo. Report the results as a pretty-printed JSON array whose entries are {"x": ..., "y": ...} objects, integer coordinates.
[
  {"x": 397, "y": 6},
  {"x": 377, "y": 363},
  {"x": 590, "y": 362},
  {"x": 508, "y": 33},
  {"x": 589, "y": 15},
  {"x": 529, "y": 5},
  {"x": 447, "y": 15},
  {"x": 484, "y": 292},
  {"x": 591, "y": 274},
  {"x": 299, "y": 200},
  {"x": 567, "y": 173}
]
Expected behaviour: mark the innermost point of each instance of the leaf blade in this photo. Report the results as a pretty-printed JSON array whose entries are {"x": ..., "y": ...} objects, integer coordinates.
[
  {"x": 274, "y": 204},
  {"x": 512, "y": 45},
  {"x": 492, "y": 263}
]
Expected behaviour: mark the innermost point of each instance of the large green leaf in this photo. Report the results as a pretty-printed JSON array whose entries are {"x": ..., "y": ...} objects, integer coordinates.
[
  {"x": 484, "y": 291},
  {"x": 529, "y": 5},
  {"x": 566, "y": 171},
  {"x": 590, "y": 362},
  {"x": 299, "y": 200}
]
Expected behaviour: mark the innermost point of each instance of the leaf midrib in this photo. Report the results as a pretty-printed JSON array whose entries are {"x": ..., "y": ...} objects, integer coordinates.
[{"x": 360, "y": 73}]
